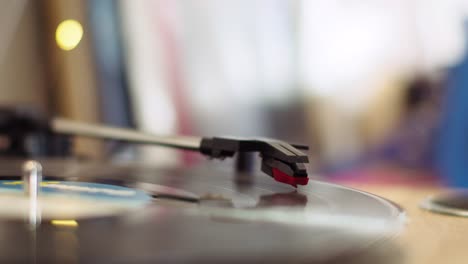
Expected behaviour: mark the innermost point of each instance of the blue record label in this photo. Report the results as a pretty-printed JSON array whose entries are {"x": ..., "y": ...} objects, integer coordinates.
[{"x": 82, "y": 190}]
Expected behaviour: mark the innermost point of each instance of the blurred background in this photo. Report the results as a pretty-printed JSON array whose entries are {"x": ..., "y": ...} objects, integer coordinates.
[{"x": 378, "y": 89}]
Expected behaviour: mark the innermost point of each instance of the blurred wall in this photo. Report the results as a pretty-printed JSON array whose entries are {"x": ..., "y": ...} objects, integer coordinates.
[{"x": 21, "y": 67}]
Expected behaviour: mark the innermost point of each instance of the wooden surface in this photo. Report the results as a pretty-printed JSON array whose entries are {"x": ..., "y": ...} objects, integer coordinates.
[{"x": 428, "y": 237}]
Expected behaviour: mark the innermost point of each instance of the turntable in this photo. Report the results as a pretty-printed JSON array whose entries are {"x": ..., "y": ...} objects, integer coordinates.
[{"x": 65, "y": 210}]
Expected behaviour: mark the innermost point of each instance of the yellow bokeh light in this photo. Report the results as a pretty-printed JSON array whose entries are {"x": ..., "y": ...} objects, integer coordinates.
[
  {"x": 68, "y": 34},
  {"x": 67, "y": 223}
]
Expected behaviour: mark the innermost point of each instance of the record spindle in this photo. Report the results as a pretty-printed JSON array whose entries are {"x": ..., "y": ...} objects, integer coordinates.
[{"x": 32, "y": 177}]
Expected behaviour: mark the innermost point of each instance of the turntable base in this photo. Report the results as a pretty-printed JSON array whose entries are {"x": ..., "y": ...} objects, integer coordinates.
[{"x": 212, "y": 214}]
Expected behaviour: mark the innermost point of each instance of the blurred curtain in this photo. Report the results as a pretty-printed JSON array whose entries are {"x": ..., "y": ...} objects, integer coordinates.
[
  {"x": 357, "y": 58},
  {"x": 223, "y": 67},
  {"x": 208, "y": 67}
]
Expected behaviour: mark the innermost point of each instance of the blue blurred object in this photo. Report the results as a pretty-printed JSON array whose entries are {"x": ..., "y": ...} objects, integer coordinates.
[
  {"x": 108, "y": 52},
  {"x": 115, "y": 105},
  {"x": 452, "y": 146}
]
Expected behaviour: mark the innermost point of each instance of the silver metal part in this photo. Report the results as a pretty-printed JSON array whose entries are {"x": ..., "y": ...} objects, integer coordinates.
[
  {"x": 70, "y": 127},
  {"x": 454, "y": 203},
  {"x": 32, "y": 178}
]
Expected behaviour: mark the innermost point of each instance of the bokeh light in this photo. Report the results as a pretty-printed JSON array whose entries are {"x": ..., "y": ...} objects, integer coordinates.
[
  {"x": 67, "y": 223},
  {"x": 68, "y": 34}
]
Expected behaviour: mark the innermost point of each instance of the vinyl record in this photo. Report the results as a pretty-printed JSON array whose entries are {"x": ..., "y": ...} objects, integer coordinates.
[{"x": 204, "y": 214}]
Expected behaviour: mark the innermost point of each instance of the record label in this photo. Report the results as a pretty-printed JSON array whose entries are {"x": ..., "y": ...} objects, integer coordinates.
[{"x": 70, "y": 199}]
